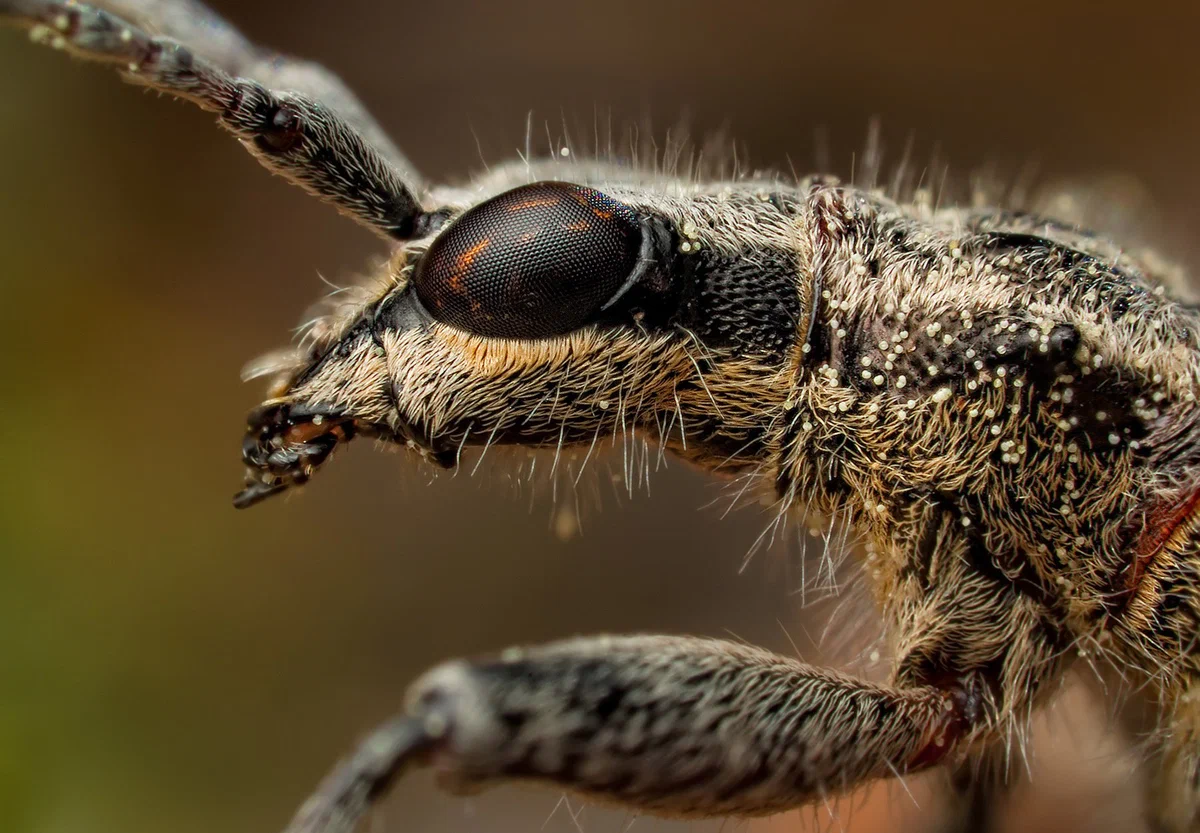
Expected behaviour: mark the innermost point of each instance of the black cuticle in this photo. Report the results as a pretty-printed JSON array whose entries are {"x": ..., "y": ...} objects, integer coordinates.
[
  {"x": 282, "y": 459},
  {"x": 282, "y": 132}
]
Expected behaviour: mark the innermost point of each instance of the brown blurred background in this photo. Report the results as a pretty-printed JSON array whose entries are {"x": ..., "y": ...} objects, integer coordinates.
[{"x": 167, "y": 663}]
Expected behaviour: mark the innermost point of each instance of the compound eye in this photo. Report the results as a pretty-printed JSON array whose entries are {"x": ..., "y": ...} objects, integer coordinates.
[{"x": 537, "y": 261}]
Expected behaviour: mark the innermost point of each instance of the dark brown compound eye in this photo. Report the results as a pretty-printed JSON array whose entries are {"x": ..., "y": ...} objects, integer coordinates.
[{"x": 533, "y": 262}]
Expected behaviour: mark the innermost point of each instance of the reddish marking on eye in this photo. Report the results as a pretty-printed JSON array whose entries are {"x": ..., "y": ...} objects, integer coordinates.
[
  {"x": 1162, "y": 527},
  {"x": 603, "y": 215},
  {"x": 529, "y": 236},
  {"x": 582, "y": 225},
  {"x": 533, "y": 202},
  {"x": 462, "y": 264}
]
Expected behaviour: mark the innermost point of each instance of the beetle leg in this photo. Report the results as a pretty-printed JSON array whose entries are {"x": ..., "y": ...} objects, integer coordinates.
[{"x": 668, "y": 725}]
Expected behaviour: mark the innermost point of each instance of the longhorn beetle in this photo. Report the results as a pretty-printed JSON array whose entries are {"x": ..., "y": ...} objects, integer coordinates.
[{"x": 1002, "y": 405}]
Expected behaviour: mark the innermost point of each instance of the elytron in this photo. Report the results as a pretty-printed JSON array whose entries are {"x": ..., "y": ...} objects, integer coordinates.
[{"x": 1001, "y": 405}]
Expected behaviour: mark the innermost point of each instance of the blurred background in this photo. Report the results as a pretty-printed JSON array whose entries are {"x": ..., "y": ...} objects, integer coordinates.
[{"x": 167, "y": 663}]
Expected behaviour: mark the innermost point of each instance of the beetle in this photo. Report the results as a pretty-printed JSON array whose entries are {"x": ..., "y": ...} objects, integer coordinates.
[{"x": 1001, "y": 404}]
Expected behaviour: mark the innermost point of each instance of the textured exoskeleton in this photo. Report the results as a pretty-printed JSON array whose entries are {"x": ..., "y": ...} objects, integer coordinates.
[{"x": 1002, "y": 406}]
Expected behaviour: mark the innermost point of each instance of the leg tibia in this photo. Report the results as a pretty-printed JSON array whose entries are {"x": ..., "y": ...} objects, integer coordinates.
[
  {"x": 672, "y": 726},
  {"x": 676, "y": 726}
]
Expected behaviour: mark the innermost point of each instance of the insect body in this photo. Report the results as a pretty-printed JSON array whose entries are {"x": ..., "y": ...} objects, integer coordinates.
[{"x": 1003, "y": 406}]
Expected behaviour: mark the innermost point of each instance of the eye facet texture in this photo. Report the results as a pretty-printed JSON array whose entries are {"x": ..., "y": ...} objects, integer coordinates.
[{"x": 536, "y": 261}]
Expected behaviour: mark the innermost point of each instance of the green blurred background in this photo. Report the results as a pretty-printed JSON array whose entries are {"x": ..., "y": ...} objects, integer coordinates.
[{"x": 167, "y": 663}]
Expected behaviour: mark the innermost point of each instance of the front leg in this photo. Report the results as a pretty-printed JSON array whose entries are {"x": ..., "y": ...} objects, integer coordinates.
[{"x": 672, "y": 726}]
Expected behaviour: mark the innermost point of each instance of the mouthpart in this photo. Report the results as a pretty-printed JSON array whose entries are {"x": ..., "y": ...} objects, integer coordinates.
[{"x": 284, "y": 445}]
